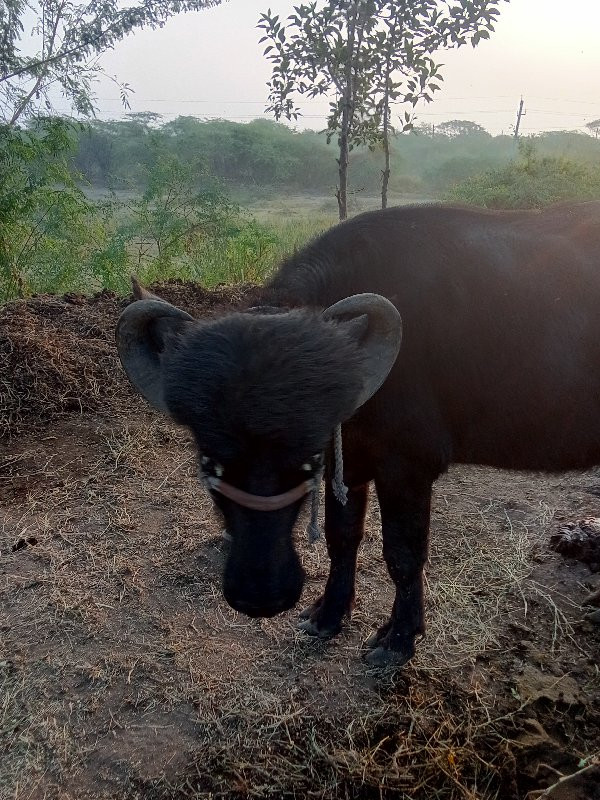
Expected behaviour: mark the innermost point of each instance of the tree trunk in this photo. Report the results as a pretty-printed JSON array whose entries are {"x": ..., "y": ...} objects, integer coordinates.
[
  {"x": 46, "y": 48},
  {"x": 342, "y": 192},
  {"x": 385, "y": 175},
  {"x": 347, "y": 113}
]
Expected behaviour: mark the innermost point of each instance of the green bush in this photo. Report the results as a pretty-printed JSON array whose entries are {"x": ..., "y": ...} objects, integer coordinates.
[
  {"x": 44, "y": 232},
  {"x": 530, "y": 182},
  {"x": 182, "y": 226},
  {"x": 161, "y": 233},
  {"x": 456, "y": 169}
]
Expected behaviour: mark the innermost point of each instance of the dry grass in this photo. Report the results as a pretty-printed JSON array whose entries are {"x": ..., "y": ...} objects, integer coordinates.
[
  {"x": 41, "y": 373},
  {"x": 129, "y": 677}
]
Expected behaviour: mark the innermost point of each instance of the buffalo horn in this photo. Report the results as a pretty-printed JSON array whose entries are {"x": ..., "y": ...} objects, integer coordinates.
[{"x": 381, "y": 341}]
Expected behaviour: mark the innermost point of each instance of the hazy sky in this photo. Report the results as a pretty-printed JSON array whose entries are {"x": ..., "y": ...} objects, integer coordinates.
[{"x": 210, "y": 64}]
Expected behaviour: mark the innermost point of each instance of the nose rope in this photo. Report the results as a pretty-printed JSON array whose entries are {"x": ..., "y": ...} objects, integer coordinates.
[
  {"x": 340, "y": 490},
  {"x": 210, "y": 474}
]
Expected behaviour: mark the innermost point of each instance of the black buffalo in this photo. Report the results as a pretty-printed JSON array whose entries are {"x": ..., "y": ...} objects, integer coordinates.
[{"x": 499, "y": 365}]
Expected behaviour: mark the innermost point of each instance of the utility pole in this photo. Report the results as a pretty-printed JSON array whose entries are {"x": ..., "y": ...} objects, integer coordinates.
[{"x": 520, "y": 113}]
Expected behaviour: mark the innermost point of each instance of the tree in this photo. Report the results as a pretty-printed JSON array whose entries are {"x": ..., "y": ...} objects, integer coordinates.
[
  {"x": 322, "y": 52},
  {"x": 180, "y": 210},
  {"x": 117, "y": 153},
  {"x": 424, "y": 129},
  {"x": 368, "y": 54},
  {"x": 43, "y": 214},
  {"x": 594, "y": 127},
  {"x": 460, "y": 127},
  {"x": 70, "y": 36},
  {"x": 403, "y": 70}
]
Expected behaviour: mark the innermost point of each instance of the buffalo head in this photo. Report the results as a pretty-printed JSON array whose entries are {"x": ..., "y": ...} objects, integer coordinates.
[{"x": 262, "y": 394}]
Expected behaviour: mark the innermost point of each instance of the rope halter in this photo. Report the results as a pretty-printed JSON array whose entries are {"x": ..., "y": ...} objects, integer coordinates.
[{"x": 211, "y": 476}]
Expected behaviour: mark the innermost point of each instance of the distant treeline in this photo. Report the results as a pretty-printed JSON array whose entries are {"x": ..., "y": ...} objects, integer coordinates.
[{"x": 267, "y": 155}]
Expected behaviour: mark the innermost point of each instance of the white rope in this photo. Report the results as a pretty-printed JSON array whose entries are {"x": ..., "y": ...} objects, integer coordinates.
[{"x": 340, "y": 490}]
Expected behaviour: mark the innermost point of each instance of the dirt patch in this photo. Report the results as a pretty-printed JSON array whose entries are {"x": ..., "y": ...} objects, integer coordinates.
[
  {"x": 124, "y": 675},
  {"x": 583, "y": 785}
]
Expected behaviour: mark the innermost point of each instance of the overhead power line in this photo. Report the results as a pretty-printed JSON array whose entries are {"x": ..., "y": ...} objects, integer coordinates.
[
  {"x": 445, "y": 114},
  {"x": 559, "y": 100},
  {"x": 576, "y": 119}
]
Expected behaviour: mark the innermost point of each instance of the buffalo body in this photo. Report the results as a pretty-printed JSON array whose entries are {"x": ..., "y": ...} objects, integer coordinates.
[{"x": 499, "y": 365}]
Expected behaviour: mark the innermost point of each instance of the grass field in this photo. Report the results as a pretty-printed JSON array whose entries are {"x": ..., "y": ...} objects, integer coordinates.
[
  {"x": 266, "y": 231},
  {"x": 99, "y": 239}
]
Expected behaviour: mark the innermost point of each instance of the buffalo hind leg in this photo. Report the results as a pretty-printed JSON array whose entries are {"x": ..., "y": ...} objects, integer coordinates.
[
  {"x": 344, "y": 529},
  {"x": 405, "y": 513}
]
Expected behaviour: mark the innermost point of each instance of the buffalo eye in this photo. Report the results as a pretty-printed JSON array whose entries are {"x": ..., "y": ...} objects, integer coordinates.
[
  {"x": 313, "y": 464},
  {"x": 211, "y": 467}
]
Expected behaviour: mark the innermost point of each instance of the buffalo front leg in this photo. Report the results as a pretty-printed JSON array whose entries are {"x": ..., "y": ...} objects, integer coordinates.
[
  {"x": 344, "y": 528},
  {"x": 405, "y": 514}
]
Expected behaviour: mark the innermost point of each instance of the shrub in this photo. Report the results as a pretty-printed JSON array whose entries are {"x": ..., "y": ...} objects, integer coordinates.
[
  {"x": 52, "y": 239},
  {"x": 530, "y": 182},
  {"x": 43, "y": 215}
]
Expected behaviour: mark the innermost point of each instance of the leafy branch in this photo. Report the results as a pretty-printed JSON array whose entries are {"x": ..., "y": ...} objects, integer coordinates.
[{"x": 71, "y": 38}]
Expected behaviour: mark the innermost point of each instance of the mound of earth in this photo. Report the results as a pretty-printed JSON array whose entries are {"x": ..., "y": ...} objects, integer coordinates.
[
  {"x": 580, "y": 540},
  {"x": 57, "y": 354}
]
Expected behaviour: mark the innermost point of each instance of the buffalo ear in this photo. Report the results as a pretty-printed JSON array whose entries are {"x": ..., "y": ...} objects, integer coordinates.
[
  {"x": 376, "y": 326},
  {"x": 145, "y": 331}
]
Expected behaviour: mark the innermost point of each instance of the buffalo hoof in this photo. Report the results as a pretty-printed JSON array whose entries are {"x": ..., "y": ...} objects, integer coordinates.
[
  {"x": 311, "y": 610},
  {"x": 382, "y": 657},
  {"x": 313, "y": 623},
  {"x": 374, "y": 640},
  {"x": 382, "y": 654},
  {"x": 313, "y": 629}
]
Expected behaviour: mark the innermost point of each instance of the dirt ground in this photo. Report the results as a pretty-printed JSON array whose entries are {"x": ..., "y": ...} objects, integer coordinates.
[{"x": 124, "y": 674}]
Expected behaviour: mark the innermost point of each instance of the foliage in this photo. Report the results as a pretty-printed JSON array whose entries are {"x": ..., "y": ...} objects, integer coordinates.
[
  {"x": 530, "y": 181},
  {"x": 321, "y": 52},
  {"x": 69, "y": 37},
  {"x": 171, "y": 215},
  {"x": 594, "y": 127},
  {"x": 366, "y": 55},
  {"x": 257, "y": 154},
  {"x": 268, "y": 158},
  {"x": 117, "y": 154},
  {"x": 460, "y": 127},
  {"x": 403, "y": 71},
  {"x": 455, "y": 169},
  {"x": 45, "y": 219},
  {"x": 181, "y": 225},
  {"x": 167, "y": 229},
  {"x": 42, "y": 212}
]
